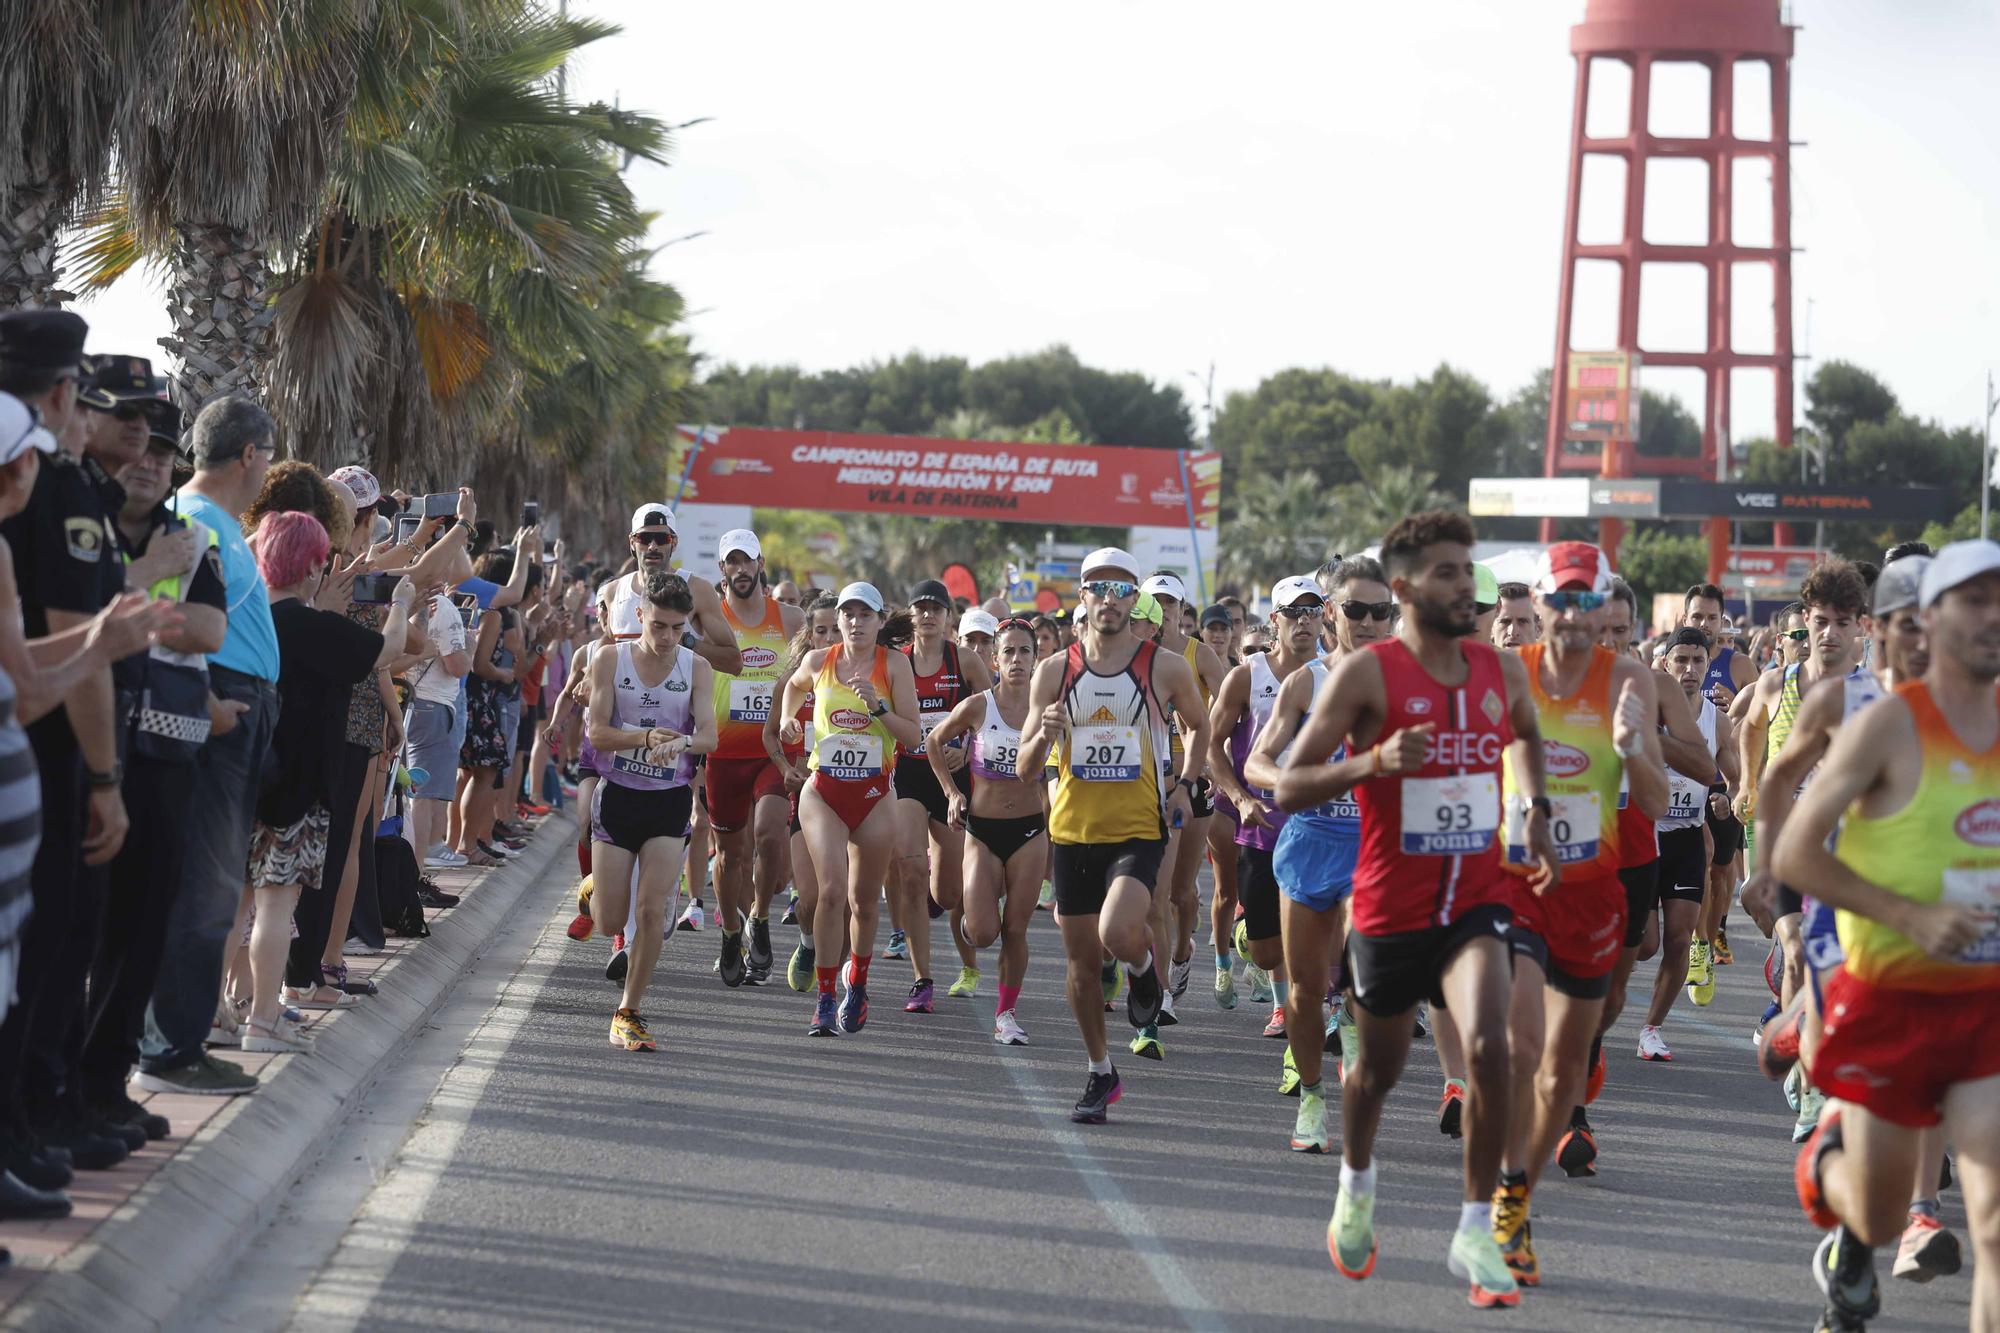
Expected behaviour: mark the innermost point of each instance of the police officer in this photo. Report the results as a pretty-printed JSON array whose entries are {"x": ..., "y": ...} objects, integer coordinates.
[{"x": 67, "y": 564}]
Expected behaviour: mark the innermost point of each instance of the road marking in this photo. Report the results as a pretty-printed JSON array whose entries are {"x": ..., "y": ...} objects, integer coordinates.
[{"x": 1188, "y": 1302}]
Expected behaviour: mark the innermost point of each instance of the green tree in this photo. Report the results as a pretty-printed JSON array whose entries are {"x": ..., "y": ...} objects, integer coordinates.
[
  {"x": 1654, "y": 559},
  {"x": 1368, "y": 508},
  {"x": 1282, "y": 526},
  {"x": 1297, "y": 418},
  {"x": 1841, "y": 395}
]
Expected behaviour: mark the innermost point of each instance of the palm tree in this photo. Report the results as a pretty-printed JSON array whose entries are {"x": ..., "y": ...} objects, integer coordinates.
[
  {"x": 1284, "y": 525},
  {"x": 1368, "y": 508}
]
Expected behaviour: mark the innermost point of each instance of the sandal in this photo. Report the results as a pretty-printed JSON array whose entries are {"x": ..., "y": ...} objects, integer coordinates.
[
  {"x": 321, "y": 996},
  {"x": 335, "y": 975}
]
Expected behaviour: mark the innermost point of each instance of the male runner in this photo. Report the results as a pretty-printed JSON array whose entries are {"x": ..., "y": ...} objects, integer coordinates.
[
  {"x": 747, "y": 804},
  {"x": 1729, "y": 673},
  {"x": 1105, "y": 702},
  {"x": 1517, "y": 625},
  {"x": 1425, "y": 716},
  {"x": 1908, "y": 1019}
]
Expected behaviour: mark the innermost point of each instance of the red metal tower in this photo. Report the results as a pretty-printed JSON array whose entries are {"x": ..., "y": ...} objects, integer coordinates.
[{"x": 1717, "y": 34}]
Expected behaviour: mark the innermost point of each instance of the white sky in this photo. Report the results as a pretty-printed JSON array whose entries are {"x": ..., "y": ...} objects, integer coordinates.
[{"x": 1160, "y": 185}]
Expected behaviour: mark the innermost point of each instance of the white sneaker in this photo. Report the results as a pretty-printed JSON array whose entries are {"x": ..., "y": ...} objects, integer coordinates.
[
  {"x": 693, "y": 918},
  {"x": 354, "y": 948},
  {"x": 1260, "y": 984},
  {"x": 1652, "y": 1046},
  {"x": 1178, "y": 974},
  {"x": 1007, "y": 1029},
  {"x": 283, "y": 1035},
  {"x": 445, "y": 860}
]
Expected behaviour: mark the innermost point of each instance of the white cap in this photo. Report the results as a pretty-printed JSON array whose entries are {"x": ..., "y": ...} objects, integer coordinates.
[
  {"x": 1109, "y": 558},
  {"x": 1166, "y": 585},
  {"x": 361, "y": 482},
  {"x": 654, "y": 514},
  {"x": 863, "y": 593},
  {"x": 1288, "y": 591},
  {"x": 1960, "y": 562},
  {"x": 738, "y": 539},
  {"x": 977, "y": 621},
  {"x": 21, "y": 429}
]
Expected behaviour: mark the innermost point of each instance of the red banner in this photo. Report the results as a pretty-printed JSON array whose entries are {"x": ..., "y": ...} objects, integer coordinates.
[{"x": 911, "y": 474}]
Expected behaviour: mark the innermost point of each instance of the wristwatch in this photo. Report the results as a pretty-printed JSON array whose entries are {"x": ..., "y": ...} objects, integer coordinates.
[
  {"x": 110, "y": 779},
  {"x": 881, "y": 707},
  {"x": 1543, "y": 804}
]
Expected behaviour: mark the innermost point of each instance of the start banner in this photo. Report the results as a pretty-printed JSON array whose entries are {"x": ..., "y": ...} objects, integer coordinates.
[{"x": 910, "y": 474}]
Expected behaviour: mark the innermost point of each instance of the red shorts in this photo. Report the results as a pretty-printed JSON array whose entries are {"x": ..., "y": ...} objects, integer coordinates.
[
  {"x": 852, "y": 801},
  {"x": 736, "y": 785},
  {"x": 1897, "y": 1052},
  {"x": 1582, "y": 921}
]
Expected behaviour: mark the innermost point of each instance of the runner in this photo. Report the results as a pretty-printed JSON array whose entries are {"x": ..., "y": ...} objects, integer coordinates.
[
  {"x": 864, "y": 707},
  {"x": 747, "y": 808},
  {"x": 1910, "y": 1015},
  {"x": 1426, "y": 716},
  {"x": 1729, "y": 674},
  {"x": 1598, "y": 716},
  {"x": 978, "y": 630},
  {"x": 1518, "y": 623},
  {"x": 1105, "y": 703},
  {"x": 1218, "y": 632},
  {"x": 644, "y": 726},
  {"x": 1008, "y": 847},
  {"x": 931, "y": 884},
  {"x": 821, "y": 630},
  {"x": 575, "y": 697}
]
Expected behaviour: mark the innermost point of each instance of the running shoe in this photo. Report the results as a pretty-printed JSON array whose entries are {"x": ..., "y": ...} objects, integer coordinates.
[
  {"x": 693, "y": 918},
  {"x": 1007, "y": 1029},
  {"x": 1451, "y": 1109},
  {"x": 581, "y": 926},
  {"x": 1825, "y": 1138},
  {"x": 1146, "y": 1043},
  {"x": 799, "y": 971},
  {"x": 1844, "y": 1268},
  {"x": 967, "y": 984},
  {"x": 1511, "y": 1233},
  {"x": 1143, "y": 997},
  {"x": 730, "y": 963},
  {"x": 1652, "y": 1046},
  {"x": 1099, "y": 1091},
  {"x": 1576, "y": 1151},
  {"x": 1701, "y": 979},
  {"x": 1927, "y": 1250},
  {"x": 1794, "y": 1081},
  {"x": 791, "y": 916},
  {"x": 899, "y": 945},
  {"x": 614, "y": 971},
  {"x": 1595, "y": 1083},
  {"x": 628, "y": 1031},
  {"x": 1276, "y": 1026},
  {"x": 1177, "y": 976},
  {"x": 1423, "y": 1028},
  {"x": 1288, "y": 1075},
  {"x": 1047, "y": 898},
  {"x": 1477, "y": 1259},
  {"x": 1774, "y": 970},
  {"x": 1114, "y": 980},
  {"x": 1260, "y": 984},
  {"x": 1240, "y": 937},
  {"x": 445, "y": 859},
  {"x": 1168, "y": 1018},
  {"x": 826, "y": 1018},
  {"x": 1309, "y": 1131},
  {"x": 1721, "y": 954},
  {"x": 759, "y": 959},
  {"x": 1225, "y": 987},
  {"x": 854, "y": 1009},
  {"x": 922, "y": 997},
  {"x": 1350, "y": 1041},
  {"x": 1778, "y": 1052},
  {"x": 1350, "y": 1235},
  {"x": 1811, "y": 1102}
]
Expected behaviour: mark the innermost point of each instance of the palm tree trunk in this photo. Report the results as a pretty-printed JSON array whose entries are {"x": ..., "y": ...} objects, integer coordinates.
[
  {"x": 28, "y": 248},
  {"x": 218, "y": 299}
]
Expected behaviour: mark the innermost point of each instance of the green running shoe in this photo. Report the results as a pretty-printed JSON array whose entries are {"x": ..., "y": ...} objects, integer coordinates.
[
  {"x": 1288, "y": 1076},
  {"x": 967, "y": 983},
  {"x": 1113, "y": 977},
  {"x": 799, "y": 972},
  {"x": 1241, "y": 937},
  {"x": 1309, "y": 1133},
  {"x": 1225, "y": 987},
  {"x": 1476, "y": 1258},
  {"x": 1146, "y": 1042},
  {"x": 1350, "y": 1235}
]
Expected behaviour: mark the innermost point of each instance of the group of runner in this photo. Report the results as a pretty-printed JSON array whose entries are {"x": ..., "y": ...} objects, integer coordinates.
[{"x": 1427, "y": 796}]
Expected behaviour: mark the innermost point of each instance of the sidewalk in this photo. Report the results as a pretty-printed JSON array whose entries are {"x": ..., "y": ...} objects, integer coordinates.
[{"x": 153, "y": 1230}]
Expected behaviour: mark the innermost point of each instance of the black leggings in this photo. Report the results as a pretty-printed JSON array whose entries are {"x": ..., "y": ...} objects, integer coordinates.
[{"x": 314, "y": 914}]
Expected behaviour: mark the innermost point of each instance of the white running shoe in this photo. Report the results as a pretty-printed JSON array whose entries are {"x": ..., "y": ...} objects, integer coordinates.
[
  {"x": 693, "y": 919},
  {"x": 1652, "y": 1046},
  {"x": 1178, "y": 974},
  {"x": 445, "y": 859},
  {"x": 1260, "y": 984},
  {"x": 1007, "y": 1029}
]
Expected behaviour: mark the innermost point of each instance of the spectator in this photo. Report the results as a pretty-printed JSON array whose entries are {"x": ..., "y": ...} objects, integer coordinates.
[
  {"x": 484, "y": 752},
  {"x": 430, "y": 747}
]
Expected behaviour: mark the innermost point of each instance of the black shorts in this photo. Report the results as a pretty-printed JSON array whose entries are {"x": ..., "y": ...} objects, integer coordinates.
[
  {"x": 1728, "y": 833},
  {"x": 531, "y": 723},
  {"x": 1642, "y": 896},
  {"x": 1082, "y": 872},
  {"x": 629, "y": 817},
  {"x": 1683, "y": 866},
  {"x": 1391, "y": 973},
  {"x": 1257, "y": 890},
  {"x": 1527, "y": 944},
  {"x": 915, "y": 782},
  {"x": 1790, "y": 901},
  {"x": 1004, "y": 837}
]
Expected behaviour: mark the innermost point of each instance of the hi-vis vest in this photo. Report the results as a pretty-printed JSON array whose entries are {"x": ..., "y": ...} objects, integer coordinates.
[{"x": 170, "y": 715}]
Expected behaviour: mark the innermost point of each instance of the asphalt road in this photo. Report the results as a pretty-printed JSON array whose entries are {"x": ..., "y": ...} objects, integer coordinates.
[{"x": 919, "y": 1176}]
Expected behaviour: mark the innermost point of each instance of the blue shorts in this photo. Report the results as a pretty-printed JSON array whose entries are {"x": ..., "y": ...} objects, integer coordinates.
[
  {"x": 1822, "y": 943},
  {"x": 430, "y": 743},
  {"x": 1314, "y": 864}
]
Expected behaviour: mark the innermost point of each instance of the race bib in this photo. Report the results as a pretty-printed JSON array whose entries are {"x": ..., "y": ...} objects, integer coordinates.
[
  {"x": 1684, "y": 803},
  {"x": 851, "y": 755},
  {"x": 999, "y": 760},
  {"x": 929, "y": 721},
  {"x": 1575, "y": 823},
  {"x": 1344, "y": 808},
  {"x": 750, "y": 700},
  {"x": 1972, "y": 887},
  {"x": 626, "y": 761},
  {"x": 1624, "y": 787},
  {"x": 1106, "y": 754},
  {"x": 1450, "y": 816}
]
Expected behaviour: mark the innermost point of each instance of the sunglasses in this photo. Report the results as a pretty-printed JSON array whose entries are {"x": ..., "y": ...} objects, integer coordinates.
[
  {"x": 1304, "y": 610},
  {"x": 1015, "y": 622},
  {"x": 1112, "y": 588},
  {"x": 653, "y": 538},
  {"x": 1798, "y": 635},
  {"x": 124, "y": 411},
  {"x": 1579, "y": 601},
  {"x": 1368, "y": 610}
]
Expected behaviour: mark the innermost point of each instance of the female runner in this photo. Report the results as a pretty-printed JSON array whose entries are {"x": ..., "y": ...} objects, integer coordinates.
[{"x": 820, "y": 630}]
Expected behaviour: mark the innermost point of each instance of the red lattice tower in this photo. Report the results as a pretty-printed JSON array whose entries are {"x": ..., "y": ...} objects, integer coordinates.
[{"x": 1717, "y": 34}]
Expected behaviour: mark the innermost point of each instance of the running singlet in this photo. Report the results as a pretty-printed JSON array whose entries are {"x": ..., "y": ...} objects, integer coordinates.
[
  {"x": 1687, "y": 800},
  {"x": 1583, "y": 773},
  {"x": 850, "y": 744},
  {"x": 1341, "y": 816},
  {"x": 1264, "y": 684},
  {"x": 1787, "y": 715},
  {"x": 745, "y": 700},
  {"x": 1111, "y": 788},
  {"x": 635, "y": 704},
  {"x": 1430, "y": 849},
  {"x": 1718, "y": 672},
  {"x": 625, "y": 603},
  {"x": 1174, "y": 730},
  {"x": 937, "y": 693},
  {"x": 996, "y": 745},
  {"x": 1944, "y": 846}
]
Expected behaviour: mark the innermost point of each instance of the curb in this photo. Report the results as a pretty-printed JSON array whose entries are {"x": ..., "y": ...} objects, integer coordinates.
[{"x": 186, "y": 1225}]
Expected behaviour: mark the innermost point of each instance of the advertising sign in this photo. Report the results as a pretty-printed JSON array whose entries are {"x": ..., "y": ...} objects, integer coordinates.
[{"x": 1601, "y": 399}]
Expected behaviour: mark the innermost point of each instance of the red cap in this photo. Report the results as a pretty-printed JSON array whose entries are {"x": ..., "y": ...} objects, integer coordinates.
[{"x": 1573, "y": 562}]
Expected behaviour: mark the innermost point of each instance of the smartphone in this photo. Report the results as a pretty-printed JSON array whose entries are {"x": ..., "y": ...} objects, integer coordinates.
[
  {"x": 441, "y": 506},
  {"x": 375, "y": 589},
  {"x": 468, "y": 608},
  {"x": 531, "y": 514},
  {"x": 406, "y": 527}
]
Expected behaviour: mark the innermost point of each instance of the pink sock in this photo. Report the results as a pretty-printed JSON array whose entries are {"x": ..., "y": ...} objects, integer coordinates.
[{"x": 1009, "y": 997}]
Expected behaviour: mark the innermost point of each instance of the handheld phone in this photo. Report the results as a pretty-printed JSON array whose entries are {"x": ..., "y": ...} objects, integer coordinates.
[
  {"x": 406, "y": 527},
  {"x": 375, "y": 589},
  {"x": 531, "y": 514},
  {"x": 442, "y": 505},
  {"x": 468, "y": 608}
]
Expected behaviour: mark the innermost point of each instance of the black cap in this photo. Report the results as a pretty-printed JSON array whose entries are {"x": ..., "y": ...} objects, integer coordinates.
[
  {"x": 1217, "y": 615},
  {"x": 930, "y": 590},
  {"x": 42, "y": 339},
  {"x": 115, "y": 379},
  {"x": 163, "y": 423}
]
